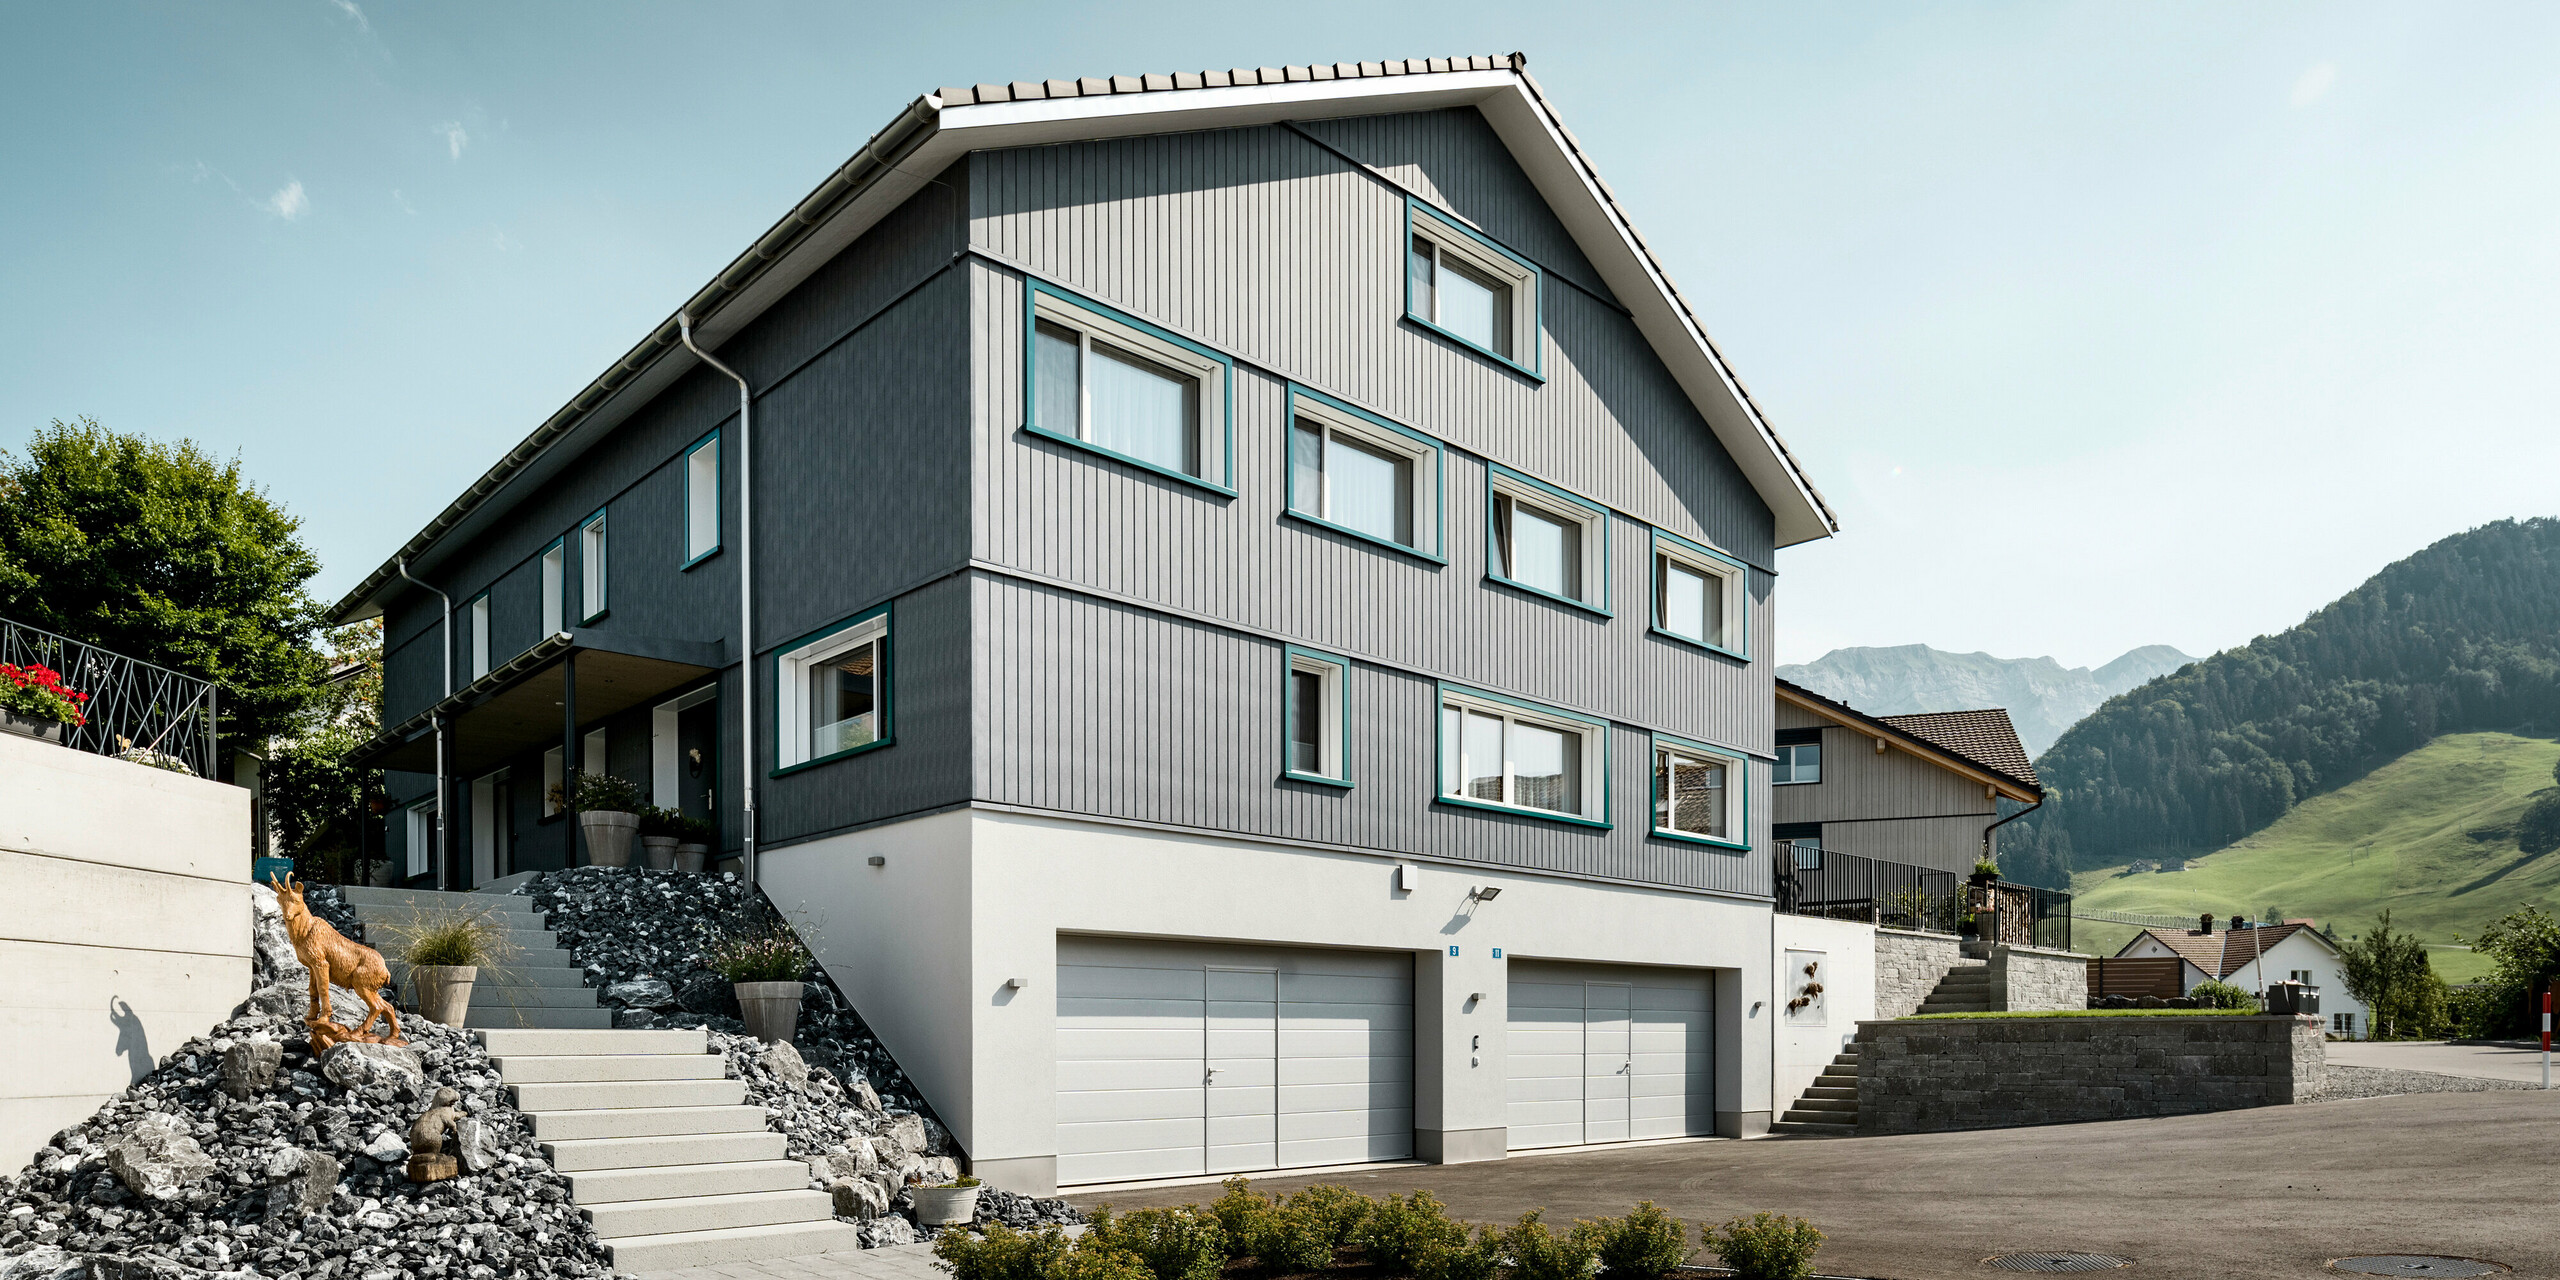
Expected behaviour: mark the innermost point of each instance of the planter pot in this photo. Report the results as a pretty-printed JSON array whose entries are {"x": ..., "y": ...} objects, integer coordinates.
[
  {"x": 609, "y": 836},
  {"x": 945, "y": 1206},
  {"x": 660, "y": 851},
  {"x": 443, "y": 991},
  {"x": 771, "y": 1010},
  {"x": 30, "y": 727},
  {"x": 692, "y": 857}
]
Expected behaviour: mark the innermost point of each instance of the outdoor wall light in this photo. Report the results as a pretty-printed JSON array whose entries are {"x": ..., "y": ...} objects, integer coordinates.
[
  {"x": 1016, "y": 984},
  {"x": 877, "y": 860},
  {"x": 1485, "y": 893}
]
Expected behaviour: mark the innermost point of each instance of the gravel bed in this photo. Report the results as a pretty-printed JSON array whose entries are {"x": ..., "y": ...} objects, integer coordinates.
[{"x": 2382, "y": 1082}]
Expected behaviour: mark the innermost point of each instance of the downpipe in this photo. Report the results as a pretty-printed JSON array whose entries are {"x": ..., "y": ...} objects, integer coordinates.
[
  {"x": 444, "y": 810},
  {"x": 746, "y": 603}
]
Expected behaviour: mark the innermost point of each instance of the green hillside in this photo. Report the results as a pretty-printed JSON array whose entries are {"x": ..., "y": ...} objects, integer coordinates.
[{"x": 2427, "y": 835}]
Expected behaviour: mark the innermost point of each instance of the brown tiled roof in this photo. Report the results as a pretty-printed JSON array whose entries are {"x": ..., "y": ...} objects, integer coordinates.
[
  {"x": 1985, "y": 737},
  {"x": 1097, "y": 86},
  {"x": 2220, "y": 955}
]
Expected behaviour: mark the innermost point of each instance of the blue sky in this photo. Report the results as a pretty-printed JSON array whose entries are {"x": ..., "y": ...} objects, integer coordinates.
[{"x": 2100, "y": 324}]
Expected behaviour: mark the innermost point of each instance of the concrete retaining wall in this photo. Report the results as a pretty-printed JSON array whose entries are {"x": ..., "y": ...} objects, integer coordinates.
[
  {"x": 1809, "y": 1038},
  {"x": 124, "y": 927},
  {"x": 2037, "y": 980},
  {"x": 1927, "y": 1075},
  {"x": 1908, "y": 966}
]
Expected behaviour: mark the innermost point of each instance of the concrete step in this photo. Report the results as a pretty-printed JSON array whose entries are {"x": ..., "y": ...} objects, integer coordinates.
[
  {"x": 545, "y": 1044},
  {"x": 733, "y": 1244},
  {"x": 607, "y": 1094},
  {"x": 619, "y": 1186},
  {"x": 361, "y": 898},
  {"x": 709, "y": 1213},
  {"x": 650, "y": 1153},
  {"x": 503, "y": 996},
  {"x": 1954, "y": 1006},
  {"x": 514, "y": 1017},
  {"x": 1809, "y": 1103},
  {"x": 513, "y": 975},
  {"x": 1812, "y": 1128},
  {"x": 586, "y": 1068},
  {"x": 1832, "y": 1092},
  {"x": 644, "y": 1122},
  {"x": 1830, "y": 1080}
]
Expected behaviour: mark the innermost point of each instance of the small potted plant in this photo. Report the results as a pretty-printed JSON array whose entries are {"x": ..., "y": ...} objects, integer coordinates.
[
  {"x": 765, "y": 966},
  {"x": 608, "y": 810},
  {"x": 1985, "y": 871},
  {"x": 693, "y": 844},
  {"x": 444, "y": 955},
  {"x": 658, "y": 837},
  {"x": 953, "y": 1204},
  {"x": 34, "y": 704}
]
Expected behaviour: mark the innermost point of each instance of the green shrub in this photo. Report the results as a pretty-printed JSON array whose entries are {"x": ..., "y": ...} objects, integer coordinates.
[
  {"x": 1479, "y": 1258},
  {"x": 1236, "y": 1212},
  {"x": 1175, "y": 1244},
  {"x": 1647, "y": 1244},
  {"x": 1336, "y": 1212},
  {"x": 1287, "y": 1241},
  {"x": 1540, "y": 1254},
  {"x": 1400, "y": 1232},
  {"x": 1002, "y": 1254},
  {"x": 1765, "y": 1246},
  {"x": 2213, "y": 994},
  {"x": 1097, "y": 1262}
]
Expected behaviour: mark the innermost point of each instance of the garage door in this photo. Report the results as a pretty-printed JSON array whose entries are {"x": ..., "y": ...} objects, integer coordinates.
[
  {"x": 1182, "y": 1059},
  {"x": 1608, "y": 1053}
]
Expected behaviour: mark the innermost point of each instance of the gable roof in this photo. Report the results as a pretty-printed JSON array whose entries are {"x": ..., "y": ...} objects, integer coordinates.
[
  {"x": 2219, "y": 955},
  {"x": 1980, "y": 744},
  {"x": 939, "y": 128}
]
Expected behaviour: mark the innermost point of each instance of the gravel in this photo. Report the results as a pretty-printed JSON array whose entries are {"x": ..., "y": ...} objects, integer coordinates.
[{"x": 2383, "y": 1082}]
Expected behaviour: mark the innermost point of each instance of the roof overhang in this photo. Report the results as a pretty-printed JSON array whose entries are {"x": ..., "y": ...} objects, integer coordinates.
[
  {"x": 520, "y": 707},
  {"x": 930, "y": 134},
  {"x": 2000, "y": 783}
]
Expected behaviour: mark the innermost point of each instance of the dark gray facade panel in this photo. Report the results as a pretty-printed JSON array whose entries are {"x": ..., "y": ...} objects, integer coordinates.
[
  {"x": 926, "y": 764},
  {"x": 1088, "y": 707},
  {"x": 1268, "y": 247}
]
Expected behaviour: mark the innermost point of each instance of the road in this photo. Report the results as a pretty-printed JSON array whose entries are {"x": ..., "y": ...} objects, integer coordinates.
[{"x": 2487, "y": 1061}]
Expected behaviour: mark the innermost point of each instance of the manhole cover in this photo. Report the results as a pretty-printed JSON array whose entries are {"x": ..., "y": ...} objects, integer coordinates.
[
  {"x": 2403, "y": 1264},
  {"x": 2050, "y": 1262}
]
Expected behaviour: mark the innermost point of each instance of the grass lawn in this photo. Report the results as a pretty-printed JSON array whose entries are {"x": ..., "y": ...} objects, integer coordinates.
[
  {"x": 2092, "y": 1013},
  {"x": 2427, "y": 835}
]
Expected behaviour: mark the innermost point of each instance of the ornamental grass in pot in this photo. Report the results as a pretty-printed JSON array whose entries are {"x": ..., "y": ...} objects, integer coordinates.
[
  {"x": 608, "y": 809},
  {"x": 693, "y": 844},
  {"x": 658, "y": 837},
  {"x": 445, "y": 954},
  {"x": 34, "y": 703},
  {"x": 765, "y": 966}
]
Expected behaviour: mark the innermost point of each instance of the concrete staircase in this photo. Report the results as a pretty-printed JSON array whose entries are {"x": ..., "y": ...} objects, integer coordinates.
[
  {"x": 1966, "y": 988},
  {"x": 662, "y": 1154},
  {"x": 539, "y": 987},
  {"x": 1829, "y": 1107}
]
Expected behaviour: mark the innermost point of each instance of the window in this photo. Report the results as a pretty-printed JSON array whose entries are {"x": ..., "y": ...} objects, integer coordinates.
[
  {"x": 1547, "y": 540},
  {"x": 1698, "y": 792},
  {"x": 1502, "y": 754},
  {"x": 1699, "y": 595},
  {"x": 2302, "y": 976},
  {"x": 422, "y": 839},
  {"x": 1317, "y": 707},
  {"x": 480, "y": 635},
  {"x": 591, "y": 753},
  {"x": 702, "y": 499},
  {"x": 1112, "y": 383},
  {"x": 1359, "y": 473},
  {"x": 554, "y": 772},
  {"x": 834, "y": 691},
  {"x": 1799, "y": 758},
  {"x": 2344, "y": 1024},
  {"x": 1466, "y": 286},
  {"x": 591, "y": 568},
  {"x": 1804, "y": 839},
  {"x": 492, "y": 827},
  {"x": 555, "y": 581}
]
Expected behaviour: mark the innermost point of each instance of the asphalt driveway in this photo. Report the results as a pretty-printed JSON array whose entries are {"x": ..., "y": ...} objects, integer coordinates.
[
  {"x": 2486, "y": 1061},
  {"x": 2272, "y": 1192}
]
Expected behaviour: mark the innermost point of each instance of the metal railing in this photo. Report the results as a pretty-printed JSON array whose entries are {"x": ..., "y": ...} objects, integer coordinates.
[
  {"x": 130, "y": 701},
  {"x": 1814, "y": 881},
  {"x": 2048, "y": 913}
]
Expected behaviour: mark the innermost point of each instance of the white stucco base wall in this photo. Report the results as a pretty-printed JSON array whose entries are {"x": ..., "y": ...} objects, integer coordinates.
[
  {"x": 1807, "y": 1039},
  {"x": 926, "y": 943}
]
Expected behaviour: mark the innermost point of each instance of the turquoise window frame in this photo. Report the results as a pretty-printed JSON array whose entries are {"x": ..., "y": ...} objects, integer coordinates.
[
  {"x": 1536, "y": 370},
  {"x": 1736, "y": 761},
  {"x": 1439, "y": 476},
  {"x": 604, "y": 562},
  {"x": 1032, "y": 288},
  {"x": 719, "y": 489},
  {"x": 1602, "y": 729},
  {"x": 1289, "y": 655},
  {"x": 781, "y": 689},
  {"x": 1494, "y": 471},
  {"x": 1653, "y": 594}
]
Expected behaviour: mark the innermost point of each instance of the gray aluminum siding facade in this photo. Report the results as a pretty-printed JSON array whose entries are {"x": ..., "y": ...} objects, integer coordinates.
[{"x": 1891, "y": 805}]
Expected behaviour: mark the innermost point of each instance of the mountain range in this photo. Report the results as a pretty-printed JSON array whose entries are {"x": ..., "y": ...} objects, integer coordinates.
[{"x": 2043, "y": 696}]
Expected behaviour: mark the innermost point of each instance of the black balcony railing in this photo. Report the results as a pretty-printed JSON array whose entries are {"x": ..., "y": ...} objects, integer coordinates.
[
  {"x": 133, "y": 705},
  {"x": 2048, "y": 913},
  {"x": 1814, "y": 881}
]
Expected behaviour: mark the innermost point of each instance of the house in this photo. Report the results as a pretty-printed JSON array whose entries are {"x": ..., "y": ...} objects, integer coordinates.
[
  {"x": 2255, "y": 956},
  {"x": 1257, "y": 649},
  {"x": 1919, "y": 790}
]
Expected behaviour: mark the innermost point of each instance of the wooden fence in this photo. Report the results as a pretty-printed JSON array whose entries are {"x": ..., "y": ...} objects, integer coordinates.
[{"x": 2137, "y": 977}]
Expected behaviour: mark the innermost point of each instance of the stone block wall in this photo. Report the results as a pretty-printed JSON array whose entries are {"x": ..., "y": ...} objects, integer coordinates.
[
  {"x": 2038, "y": 980},
  {"x": 1908, "y": 967},
  {"x": 1932, "y": 1075}
]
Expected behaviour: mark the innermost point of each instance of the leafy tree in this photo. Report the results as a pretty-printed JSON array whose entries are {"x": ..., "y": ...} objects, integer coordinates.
[
  {"x": 2525, "y": 945},
  {"x": 319, "y": 805},
  {"x": 2388, "y": 971},
  {"x": 162, "y": 553}
]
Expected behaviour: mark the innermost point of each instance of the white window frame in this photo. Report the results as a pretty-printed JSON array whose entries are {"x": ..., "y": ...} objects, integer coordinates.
[
  {"x": 555, "y": 771},
  {"x": 1723, "y": 572},
  {"x": 592, "y": 554},
  {"x": 666, "y": 766},
  {"x": 555, "y": 588},
  {"x": 1501, "y": 483},
  {"x": 491, "y": 828},
  {"x": 791, "y": 670},
  {"x": 1213, "y": 423},
  {"x": 701, "y": 500},
  {"x": 1737, "y": 791},
  {"x": 422, "y": 835},
  {"x": 1785, "y": 753},
  {"x": 1341, "y": 420},
  {"x": 591, "y": 751},
  {"x": 1453, "y": 241},
  {"x": 1333, "y": 698},
  {"x": 1451, "y": 783},
  {"x": 479, "y": 635}
]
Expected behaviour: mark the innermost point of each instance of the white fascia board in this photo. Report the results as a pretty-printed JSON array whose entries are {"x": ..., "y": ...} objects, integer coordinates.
[{"x": 1048, "y": 120}]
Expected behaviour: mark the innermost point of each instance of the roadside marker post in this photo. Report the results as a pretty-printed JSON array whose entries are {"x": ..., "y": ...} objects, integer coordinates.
[{"x": 2546, "y": 1039}]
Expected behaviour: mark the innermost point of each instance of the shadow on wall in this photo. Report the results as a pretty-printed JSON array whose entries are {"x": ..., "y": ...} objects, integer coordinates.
[{"x": 132, "y": 1040}]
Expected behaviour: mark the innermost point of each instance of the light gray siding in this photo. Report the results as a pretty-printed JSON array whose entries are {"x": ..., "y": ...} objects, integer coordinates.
[{"x": 1891, "y": 805}]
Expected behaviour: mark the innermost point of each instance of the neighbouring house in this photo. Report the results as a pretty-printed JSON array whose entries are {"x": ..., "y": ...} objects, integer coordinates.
[
  {"x": 2255, "y": 956},
  {"x": 1258, "y": 651},
  {"x": 1920, "y": 790}
]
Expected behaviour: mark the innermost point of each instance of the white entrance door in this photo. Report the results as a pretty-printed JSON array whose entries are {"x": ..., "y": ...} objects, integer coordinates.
[
  {"x": 1607, "y": 1053},
  {"x": 1181, "y": 1059}
]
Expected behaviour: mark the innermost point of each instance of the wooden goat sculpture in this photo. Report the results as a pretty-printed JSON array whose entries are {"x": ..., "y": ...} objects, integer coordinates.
[{"x": 335, "y": 961}]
